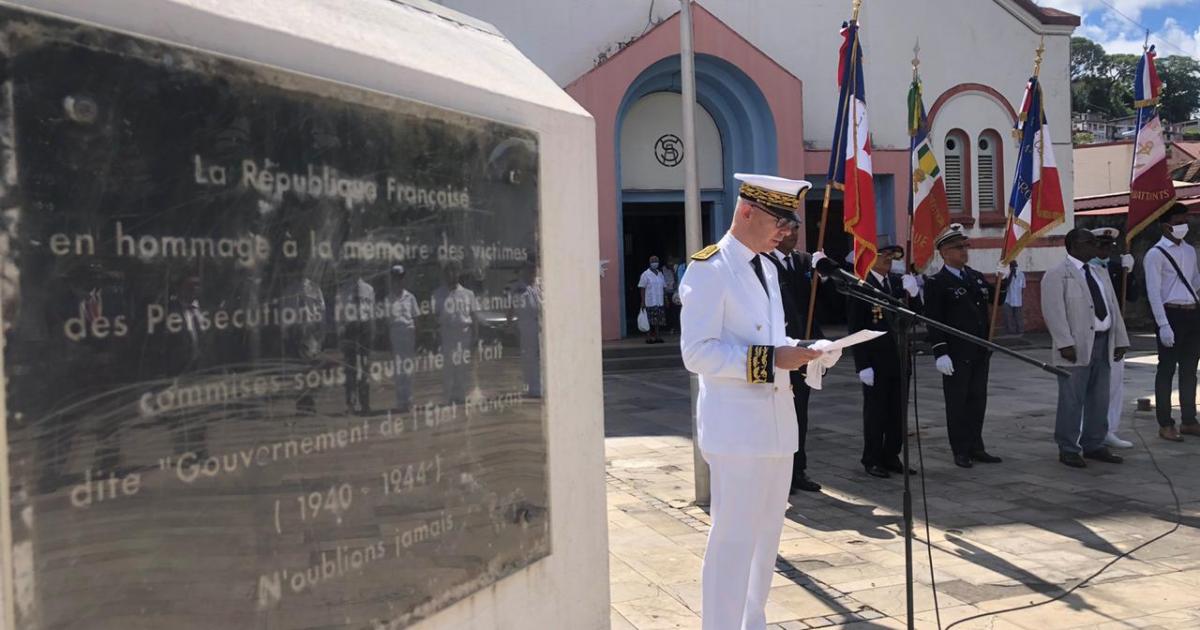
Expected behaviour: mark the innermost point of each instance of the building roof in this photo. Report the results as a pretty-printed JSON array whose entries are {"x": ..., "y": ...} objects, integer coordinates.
[
  {"x": 1118, "y": 203},
  {"x": 1192, "y": 149},
  {"x": 1046, "y": 15}
]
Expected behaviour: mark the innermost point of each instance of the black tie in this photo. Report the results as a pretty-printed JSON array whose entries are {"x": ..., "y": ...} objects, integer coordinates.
[
  {"x": 1097, "y": 297},
  {"x": 788, "y": 259},
  {"x": 756, "y": 262}
]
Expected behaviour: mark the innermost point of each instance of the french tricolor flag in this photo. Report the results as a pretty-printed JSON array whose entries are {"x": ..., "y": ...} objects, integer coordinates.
[
  {"x": 1036, "y": 204},
  {"x": 850, "y": 168},
  {"x": 1150, "y": 188}
]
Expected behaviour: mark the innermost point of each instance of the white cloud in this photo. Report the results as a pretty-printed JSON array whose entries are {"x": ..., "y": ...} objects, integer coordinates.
[
  {"x": 1118, "y": 35},
  {"x": 1131, "y": 8}
]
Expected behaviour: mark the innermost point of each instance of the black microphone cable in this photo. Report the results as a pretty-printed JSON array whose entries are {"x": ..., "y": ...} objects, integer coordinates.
[
  {"x": 937, "y": 609},
  {"x": 1083, "y": 582}
]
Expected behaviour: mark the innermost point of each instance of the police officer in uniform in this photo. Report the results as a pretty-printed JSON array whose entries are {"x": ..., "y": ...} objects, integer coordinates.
[
  {"x": 961, "y": 297},
  {"x": 794, "y": 270},
  {"x": 733, "y": 336},
  {"x": 878, "y": 365}
]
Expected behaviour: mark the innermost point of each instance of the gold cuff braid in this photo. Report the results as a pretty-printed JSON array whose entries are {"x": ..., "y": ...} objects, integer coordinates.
[{"x": 760, "y": 361}]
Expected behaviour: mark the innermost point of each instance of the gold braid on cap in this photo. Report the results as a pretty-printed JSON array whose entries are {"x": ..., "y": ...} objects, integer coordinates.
[{"x": 771, "y": 197}]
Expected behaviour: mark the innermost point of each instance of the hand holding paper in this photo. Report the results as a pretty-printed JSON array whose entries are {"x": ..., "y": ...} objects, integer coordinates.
[{"x": 831, "y": 352}]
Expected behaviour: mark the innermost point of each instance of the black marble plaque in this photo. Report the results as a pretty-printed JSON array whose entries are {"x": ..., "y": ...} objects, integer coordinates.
[{"x": 272, "y": 349}]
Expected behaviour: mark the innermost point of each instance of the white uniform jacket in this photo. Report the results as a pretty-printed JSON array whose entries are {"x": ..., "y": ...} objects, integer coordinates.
[{"x": 730, "y": 328}]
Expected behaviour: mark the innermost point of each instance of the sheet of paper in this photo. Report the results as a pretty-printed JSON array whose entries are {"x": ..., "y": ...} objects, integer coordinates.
[{"x": 855, "y": 339}]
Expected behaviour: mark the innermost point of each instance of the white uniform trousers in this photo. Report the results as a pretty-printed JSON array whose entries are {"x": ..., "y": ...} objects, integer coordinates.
[
  {"x": 1116, "y": 395},
  {"x": 749, "y": 499}
]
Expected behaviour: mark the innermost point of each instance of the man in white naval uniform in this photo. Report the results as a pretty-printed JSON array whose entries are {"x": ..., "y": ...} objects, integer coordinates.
[{"x": 733, "y": 337}]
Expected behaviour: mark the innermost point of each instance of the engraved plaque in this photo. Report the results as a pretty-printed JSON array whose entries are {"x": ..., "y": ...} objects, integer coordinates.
[{"x": 271, "y": 344}]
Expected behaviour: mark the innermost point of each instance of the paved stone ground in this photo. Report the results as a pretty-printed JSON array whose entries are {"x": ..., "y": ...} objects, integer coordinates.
[{"x": 1003, "y": 536}]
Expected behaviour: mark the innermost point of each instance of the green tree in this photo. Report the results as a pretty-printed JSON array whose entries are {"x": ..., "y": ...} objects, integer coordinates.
[
  {"x": 1181, "y": 88},
  {"x": 1100, "y": 83},
  {"x": 1087, "y": 58}
]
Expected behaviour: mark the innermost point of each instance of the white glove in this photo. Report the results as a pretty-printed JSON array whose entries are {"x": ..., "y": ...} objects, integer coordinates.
[
  {"x": 1166, "y": 336},
  {"x": 817, "y": 256},
  {"x": 945, "y": 365},
  {"x": 1002, "y": 271},
  {"x": 910, "y": 284},
  {"x": 1127, "y": 262},
  {"x": 817, "y": 367},
  {"x": 867, "y": 377}
]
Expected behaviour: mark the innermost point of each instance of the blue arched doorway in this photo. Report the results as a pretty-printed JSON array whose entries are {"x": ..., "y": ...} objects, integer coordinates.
[{"x": 748, "y": 144}]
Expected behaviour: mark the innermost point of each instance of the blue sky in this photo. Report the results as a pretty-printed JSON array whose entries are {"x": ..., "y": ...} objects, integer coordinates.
[{"x": 1174, "y": 24}]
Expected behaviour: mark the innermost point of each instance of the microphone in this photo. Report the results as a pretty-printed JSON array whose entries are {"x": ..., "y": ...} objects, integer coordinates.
[{"x": 830, "y": 270}]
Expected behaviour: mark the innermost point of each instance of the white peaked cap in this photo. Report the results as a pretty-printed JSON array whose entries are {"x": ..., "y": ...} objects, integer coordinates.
[{"x": 771, "y": 190}]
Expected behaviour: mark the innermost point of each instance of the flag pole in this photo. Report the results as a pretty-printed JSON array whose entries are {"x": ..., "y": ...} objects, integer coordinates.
[
  {"x": 1037, "y": 69},
  {"x": 916, "y": 62},
  {"x": 838, "y": 146},
  {"x": 1132, "y": 163}
]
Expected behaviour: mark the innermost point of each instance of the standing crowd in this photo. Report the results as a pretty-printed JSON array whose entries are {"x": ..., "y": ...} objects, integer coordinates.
[{"x": 747, "y": 331}]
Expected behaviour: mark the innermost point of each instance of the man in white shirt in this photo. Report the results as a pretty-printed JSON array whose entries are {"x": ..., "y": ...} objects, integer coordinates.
[
  {"x": 1171, "y": 281},
  {"x": 455, "y": 308},
  {"x": 1088, "y": 334},
  {"x": 402, "y": 311},
  {"x": 652, "y": 286},
  {"x": 527, "y": 309},
  {"x": 1117, "y": 268},
  {"x": 1014, "y": 300}
]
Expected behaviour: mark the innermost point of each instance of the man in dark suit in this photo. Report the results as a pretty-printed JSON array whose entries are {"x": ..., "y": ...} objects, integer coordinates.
[
  {"x": 795, "y": 283},
  {"x": 961, "y": 298},
  {"x": 878, "y": 365}
]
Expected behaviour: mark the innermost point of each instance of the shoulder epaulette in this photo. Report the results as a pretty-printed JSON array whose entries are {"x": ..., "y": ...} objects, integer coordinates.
[{"x": 706, "y": 253}]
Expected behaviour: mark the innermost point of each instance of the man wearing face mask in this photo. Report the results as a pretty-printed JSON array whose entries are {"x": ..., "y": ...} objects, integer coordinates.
[
  {"x": 1171, "y": 281},
  {"x": 652, "y": 287},
  {"x": 1117, "y": 268}
]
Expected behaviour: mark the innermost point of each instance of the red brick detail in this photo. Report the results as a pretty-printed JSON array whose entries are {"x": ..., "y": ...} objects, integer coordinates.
[{"x": 971, "y": 87}]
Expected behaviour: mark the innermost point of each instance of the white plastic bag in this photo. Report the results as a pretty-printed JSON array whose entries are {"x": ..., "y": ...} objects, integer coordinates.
[{"x": 643, "y": 321}]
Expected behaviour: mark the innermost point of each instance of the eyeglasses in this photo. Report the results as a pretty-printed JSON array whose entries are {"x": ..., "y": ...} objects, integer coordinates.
[{"x": 781, "y": 222}]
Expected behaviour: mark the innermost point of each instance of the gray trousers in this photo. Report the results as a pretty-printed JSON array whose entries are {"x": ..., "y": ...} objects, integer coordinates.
[
  {"x": 1014, "y": 319},
  {"x": 1084, "y": 391}
]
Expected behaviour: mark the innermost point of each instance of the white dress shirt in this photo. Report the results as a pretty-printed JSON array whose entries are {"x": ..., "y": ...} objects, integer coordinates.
[
  {"x": 1101, "y": 325},
  {"x": 784, "y": 259},
  {"x": 1162, "y": 283}
]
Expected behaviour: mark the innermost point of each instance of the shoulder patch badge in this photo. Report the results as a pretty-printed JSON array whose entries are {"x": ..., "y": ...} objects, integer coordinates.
[{"x": 706, "y": 253}]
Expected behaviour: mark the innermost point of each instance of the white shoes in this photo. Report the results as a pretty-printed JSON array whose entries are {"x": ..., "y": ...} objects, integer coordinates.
[{"x": 1112, "y": 440}]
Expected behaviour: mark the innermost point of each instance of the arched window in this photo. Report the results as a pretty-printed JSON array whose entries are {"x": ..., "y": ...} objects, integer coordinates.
[
  {"x": 990, "y": 172},
  {"x": 958, "y": 172}
]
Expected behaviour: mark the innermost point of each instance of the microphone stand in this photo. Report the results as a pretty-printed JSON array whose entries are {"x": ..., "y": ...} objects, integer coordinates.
[{"x": 903, "y": 321}]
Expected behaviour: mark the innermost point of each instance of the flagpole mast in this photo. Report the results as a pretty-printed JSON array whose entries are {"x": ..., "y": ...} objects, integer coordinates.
[
  {"x": 1132, "y": 164},
  {"x": 1037, "y": 70},
  {"x": 691, "y": 214},
  {"x": 916, "y": 62},
  {"x": 838, "y": 147}
]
